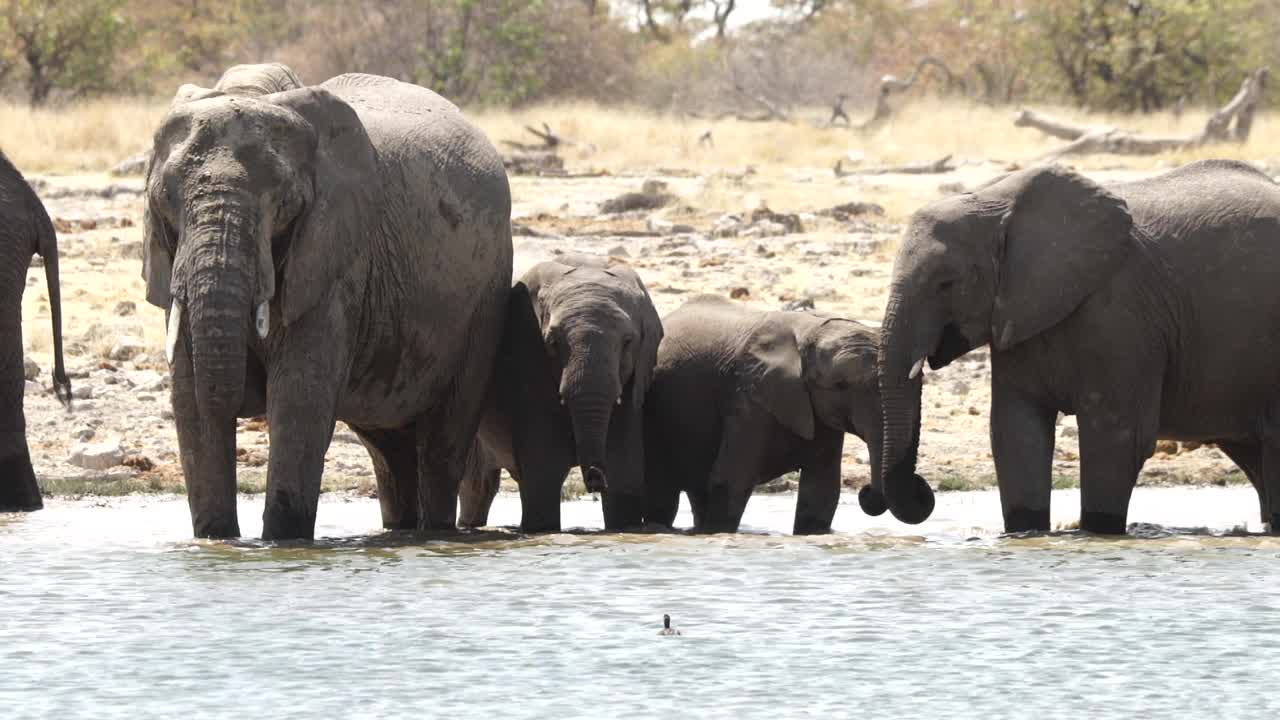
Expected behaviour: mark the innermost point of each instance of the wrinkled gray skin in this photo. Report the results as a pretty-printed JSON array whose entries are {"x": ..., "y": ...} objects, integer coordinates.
[
  {"x": 362, "y": 226},
  {"x": 569, "y": 389},
  {"x": 741, "y": 396},
  {"x": 25, "y": 229},
  {"x": 1148, "y": 309}
]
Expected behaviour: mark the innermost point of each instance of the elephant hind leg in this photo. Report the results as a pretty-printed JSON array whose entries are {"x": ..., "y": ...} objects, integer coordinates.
[
  {"x": 1248, "y": 457},
  {"x": 480, "y": 484},
  {"x": 19, "y": 491},
  {"x": 395, "y": 465}
]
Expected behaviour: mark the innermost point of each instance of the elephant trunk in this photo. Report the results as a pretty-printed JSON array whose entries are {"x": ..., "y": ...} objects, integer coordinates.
[
  {"x": 906, "y": 493},
  {"x": 216, "y": 285},
  {"x": 590, "y": 390}
]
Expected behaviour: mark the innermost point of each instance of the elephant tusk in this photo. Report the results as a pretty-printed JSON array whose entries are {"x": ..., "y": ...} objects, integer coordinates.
[
  {"x": 619, "y": 399},
  {"x": 915, "y": 369},
  {"x": 262, "y": 319},
  {"x": 561, "y": 401},
  {"x": 174, "y": 330}
]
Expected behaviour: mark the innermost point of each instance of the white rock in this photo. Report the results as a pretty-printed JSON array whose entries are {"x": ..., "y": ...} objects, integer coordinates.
[
  {"x": 146, "y": 380},
  {"x": 126, "y": 348},
  {"x": 84, "y": 433},
  {"x": 82, "y": 392},
  {"x": 97, "y": 456}
]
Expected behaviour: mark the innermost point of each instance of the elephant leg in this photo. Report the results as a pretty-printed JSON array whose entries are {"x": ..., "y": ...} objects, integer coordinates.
[
  {"x": 819, "y": 496},
  {"x": 662, "y": 505},
  {"x": 18, "y": 488},
  {"x": 479, "y": 487},
  {"x": 540, "y": 497},
  {"x": 1270, "y": 493},
  {"x": 302, "y": 399},
  {"x": 207, "y": 447},
  {"x": 1248, "y": 457},
  {"x": 19, "y": 491},
  {"x": 1022, "y": 446},
  {"x": 1113, "y": 447},
  {"x": 624, "y": 500},
  {"x": 735, "y": 472},
  {"x": 698, "y": 504},
  {"x": 395, "y": 465}
]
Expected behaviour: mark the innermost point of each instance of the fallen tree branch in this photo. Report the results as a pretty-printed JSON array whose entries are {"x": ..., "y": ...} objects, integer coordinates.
[
  {"x": 941, "y": 165},
  {"x": 1089, "y": 140}
]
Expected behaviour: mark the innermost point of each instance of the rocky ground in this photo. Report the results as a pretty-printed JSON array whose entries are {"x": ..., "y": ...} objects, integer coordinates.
[{"x": 830, "y": 248}]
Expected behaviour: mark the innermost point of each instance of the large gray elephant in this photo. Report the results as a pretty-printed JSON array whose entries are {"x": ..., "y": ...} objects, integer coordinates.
[
  {"x": 1148, "y": 309},
  {"x": 569, "y": 389},
  {"x": 741, "y": 396},
  {"x": 25, "y": 229},
  {"x": 340, "y": 251}
]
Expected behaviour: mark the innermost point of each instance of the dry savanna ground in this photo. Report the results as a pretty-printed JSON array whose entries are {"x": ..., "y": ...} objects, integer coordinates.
[{"x": 748, "y": 214}]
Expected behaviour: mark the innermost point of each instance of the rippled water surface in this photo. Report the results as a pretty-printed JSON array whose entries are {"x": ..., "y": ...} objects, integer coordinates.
[{"x": 113, "y": 612}]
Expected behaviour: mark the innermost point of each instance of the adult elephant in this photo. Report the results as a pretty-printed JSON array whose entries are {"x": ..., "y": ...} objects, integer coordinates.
[
  {"x": 1148, "y": 309},
  {"x": 25, "y": 229},
  {"x": 341, "y": 251},
  {"x": 575, "y": 365}
]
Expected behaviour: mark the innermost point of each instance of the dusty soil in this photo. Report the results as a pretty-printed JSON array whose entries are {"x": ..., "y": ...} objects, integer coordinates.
[{"x": 712, "y": 236}]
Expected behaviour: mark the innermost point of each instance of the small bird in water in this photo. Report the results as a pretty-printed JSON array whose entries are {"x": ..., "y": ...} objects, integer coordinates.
[{"x": 667, "y": 630}]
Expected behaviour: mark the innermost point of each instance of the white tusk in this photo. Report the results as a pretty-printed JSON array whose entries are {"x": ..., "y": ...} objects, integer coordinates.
[
  {"x": 262, "y": 319},
  {"x": 915, "y": 369},
  {"x": 175, "y": 328},
  {"x": 619, "y": 399},
  {"x": 561, "y": 400}
]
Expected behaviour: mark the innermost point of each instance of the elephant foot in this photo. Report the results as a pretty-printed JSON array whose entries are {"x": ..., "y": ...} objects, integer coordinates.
[
  {"x": 216, "y": 529},
  {"x": 19, "y": 491},
  {"x": 623, "y": 511},
  {"x": 1026, "y": 520},
  {"x": 1102, "y": 523},
  {"x": 284, "y": 520},
  {"x": 1273, "y": 527},
  {"x": 810, "y": 528}
]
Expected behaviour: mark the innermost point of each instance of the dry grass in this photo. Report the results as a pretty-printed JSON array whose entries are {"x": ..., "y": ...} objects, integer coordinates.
[
  {"x": 84, "y": 137},
  {"x": 94, "y": 135},
  {"x": 612, "y": 138}
]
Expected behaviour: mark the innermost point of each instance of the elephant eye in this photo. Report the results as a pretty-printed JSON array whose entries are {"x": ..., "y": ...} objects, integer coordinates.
[{"x": 946, "y": 285}]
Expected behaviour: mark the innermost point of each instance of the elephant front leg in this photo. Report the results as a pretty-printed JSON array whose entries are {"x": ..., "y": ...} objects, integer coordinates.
[
  {"x": 301, "y": 405},
  {"x": 207, "y": 447},
  {"x": 819, "y": 486},
  {"x": 624, "y": 500},
  {"x": 1022, "y": 446},
  {"x": 480, "y": 482}
]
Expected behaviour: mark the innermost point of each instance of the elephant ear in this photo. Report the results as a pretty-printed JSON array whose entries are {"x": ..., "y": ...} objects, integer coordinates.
[
  {"x": 776, "y": 374},
  {"x": 337, "y": 219},
  {"x": 1063, "y": 238},
  {"x": 157, "y": 256},
  {"x": 650, "y": 325}
]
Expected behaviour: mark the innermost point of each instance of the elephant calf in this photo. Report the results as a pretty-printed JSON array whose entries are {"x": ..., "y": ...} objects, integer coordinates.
[
  {"x": 573, "y": 369},
  {"x": 741, "y": 396},
  {"x": 24, "y": 229}
]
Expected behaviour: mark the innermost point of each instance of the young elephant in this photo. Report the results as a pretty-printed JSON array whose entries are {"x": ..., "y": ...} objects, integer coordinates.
[
  {"x": 574, "y": 366},
  {"x": 741, "y": 396},
  {"x": 24, "y": 229}
]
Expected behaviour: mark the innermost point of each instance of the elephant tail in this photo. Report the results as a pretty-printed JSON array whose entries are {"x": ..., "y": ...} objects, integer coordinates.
[{"x": 48, "y": 248}]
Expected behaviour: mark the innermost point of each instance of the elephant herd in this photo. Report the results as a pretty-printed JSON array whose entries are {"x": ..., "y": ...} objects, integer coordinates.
[{"x": 343, "y": 252}]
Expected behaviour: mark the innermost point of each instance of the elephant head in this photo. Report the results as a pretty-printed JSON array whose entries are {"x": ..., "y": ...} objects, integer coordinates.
[
  {"x": 253, "y": 208},
  {"x": 999, "y": 265},
  {"x": 824, "y": 374},
  {"x": 600, "y": 335}
]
